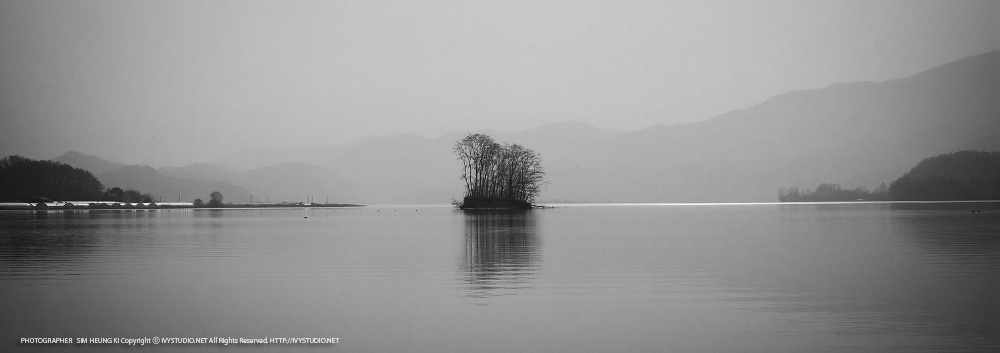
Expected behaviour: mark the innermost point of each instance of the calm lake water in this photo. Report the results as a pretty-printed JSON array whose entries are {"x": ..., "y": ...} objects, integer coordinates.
[{"x": 585, "y": 278}]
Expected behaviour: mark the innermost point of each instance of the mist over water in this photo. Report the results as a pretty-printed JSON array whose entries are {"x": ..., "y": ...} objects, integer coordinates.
[{"x": 692, "y": 278}]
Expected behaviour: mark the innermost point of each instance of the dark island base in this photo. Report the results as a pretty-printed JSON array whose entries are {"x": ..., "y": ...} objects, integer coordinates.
[{"x": 472, "y": 203}]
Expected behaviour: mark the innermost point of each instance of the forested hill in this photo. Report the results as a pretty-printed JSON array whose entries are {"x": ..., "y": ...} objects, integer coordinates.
[
  {"x": 965, "y": 175},
  {"x": 23, "y": 177}
]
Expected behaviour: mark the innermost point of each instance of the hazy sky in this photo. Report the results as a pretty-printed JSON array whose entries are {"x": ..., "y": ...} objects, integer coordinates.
[{"x": 176, "y": 82}]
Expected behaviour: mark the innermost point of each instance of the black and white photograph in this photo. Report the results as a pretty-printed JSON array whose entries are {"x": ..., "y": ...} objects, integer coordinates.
[{"x": 449, "y": 176}]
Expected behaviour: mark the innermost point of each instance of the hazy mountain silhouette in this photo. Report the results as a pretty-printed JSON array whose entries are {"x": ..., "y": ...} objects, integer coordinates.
[
  {"x": 292, "y": 181},
  {"x": 203, "y": 172},
  {"x": 321, "y": 155},
  {"x": 149, "y": 180},
  {"x": 168, "y": 189},
  {"x": 853, "y": 134},
  {"x": 282, "y": 182},
  {"x": 93, "y": 164},
  {"x": 410, "y": 168}
]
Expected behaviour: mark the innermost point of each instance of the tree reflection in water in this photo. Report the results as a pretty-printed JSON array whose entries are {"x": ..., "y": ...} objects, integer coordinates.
[{"x": 501, "y": 251}]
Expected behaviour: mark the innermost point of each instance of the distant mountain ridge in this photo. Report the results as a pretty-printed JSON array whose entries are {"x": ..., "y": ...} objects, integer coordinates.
[
  {"x": 166, "y": 188},
  {"x": 854, "y": 134},
  {"x": 410, "y": 168},
  {"x": 285, "y": 182},
  {"x": 94, "y": 164}
]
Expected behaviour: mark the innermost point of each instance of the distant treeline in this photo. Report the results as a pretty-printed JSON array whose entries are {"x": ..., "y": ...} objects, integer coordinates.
[
  {"x": 215, "y": 200},
  {"x": 24, "y": 178},
  {"x": 117, "y": 194},
  {"x": 958, "y": 176},
  {"x": 833, "y": 192}
]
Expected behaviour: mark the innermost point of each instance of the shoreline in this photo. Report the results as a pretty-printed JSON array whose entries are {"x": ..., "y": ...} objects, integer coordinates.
[{"x": 67, "y": 206}]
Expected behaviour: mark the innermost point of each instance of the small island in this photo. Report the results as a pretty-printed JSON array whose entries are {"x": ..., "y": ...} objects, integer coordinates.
[{"x": 498, "y": 176}]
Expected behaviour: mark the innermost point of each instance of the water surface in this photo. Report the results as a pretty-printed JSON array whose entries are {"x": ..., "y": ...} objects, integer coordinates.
[{"x": 598, "y": 278}]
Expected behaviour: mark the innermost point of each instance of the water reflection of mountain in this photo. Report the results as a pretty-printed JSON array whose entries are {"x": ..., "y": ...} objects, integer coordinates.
[{"x": 501, "y": 251}]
